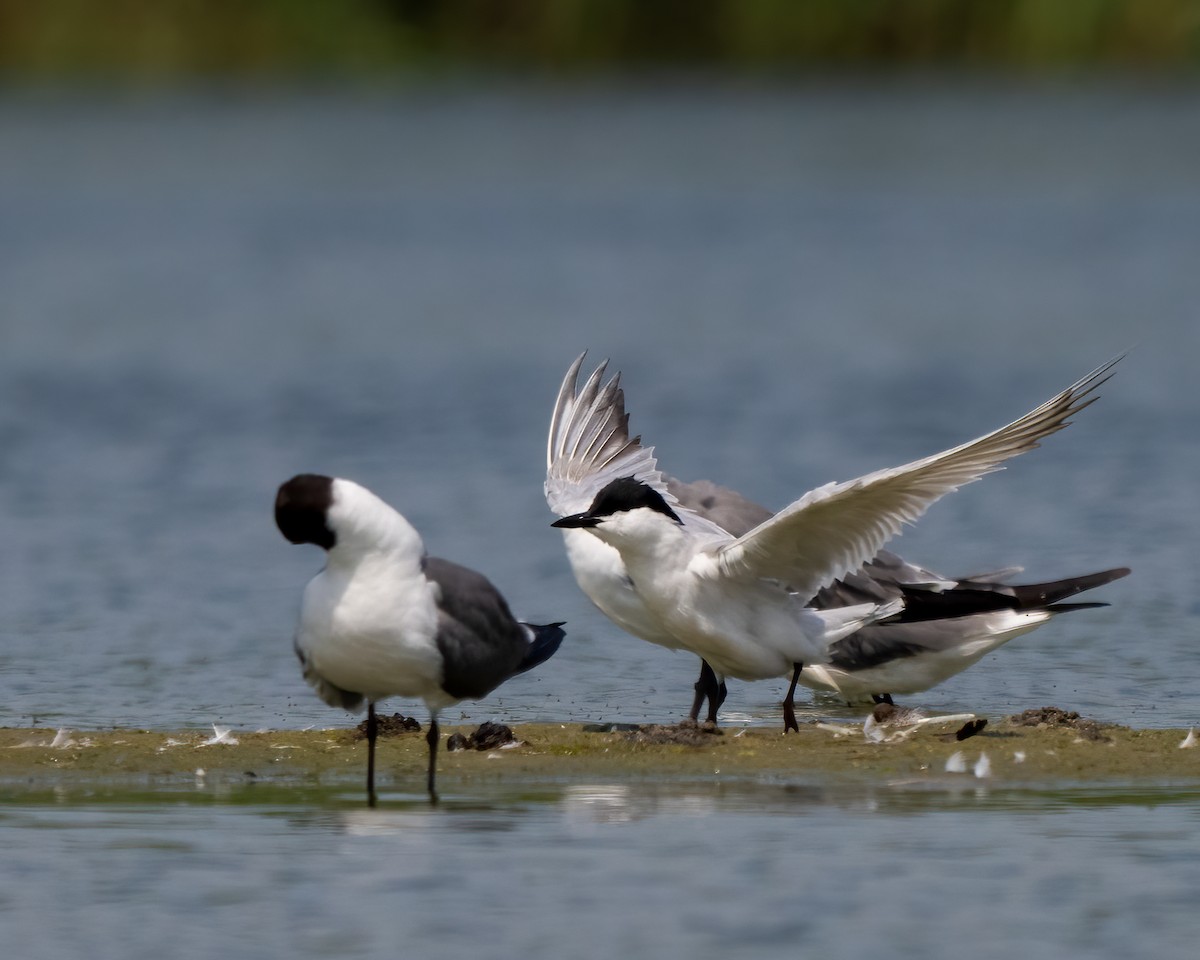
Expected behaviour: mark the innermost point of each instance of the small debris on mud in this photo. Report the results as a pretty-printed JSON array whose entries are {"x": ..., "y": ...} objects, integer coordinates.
[
  {"x": 891, "y": 724},
  {"x": 609, "y": 727},
  {"x": 890, "y": 713},
  {"x": 490, "y": 735},
  {"x": 487, "y": 736},
  {"x": 1055, "y": 717},
  {"x": 970, "y": 728},
  {"x": 391, "y": 726},
  {"x": 688, "y": 734}
]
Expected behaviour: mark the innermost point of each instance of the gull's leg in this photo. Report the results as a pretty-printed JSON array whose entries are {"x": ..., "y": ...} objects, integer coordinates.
[
  {"x": 789, "y": 703},
  {"x": 372, "y": 731},
  {"x": 882, "y": 698},
  {"x": 432, "y": 739}
]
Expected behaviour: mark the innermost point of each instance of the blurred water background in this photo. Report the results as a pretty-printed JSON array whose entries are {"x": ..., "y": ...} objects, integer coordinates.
[
  {"x": 231, "y": 261},
  {"x": 204, "y": 296}
]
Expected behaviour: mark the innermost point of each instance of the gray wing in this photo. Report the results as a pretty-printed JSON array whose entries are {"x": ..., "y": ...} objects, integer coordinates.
[
  {"x": 929, "y": 596},
  {"x": 724, "y": 507},
  {"x": 876, "y": 645},
  {"x": 937, "y": 621},
  {"x": 481, "y": 643},
  {"x": 878, "y": 581}
]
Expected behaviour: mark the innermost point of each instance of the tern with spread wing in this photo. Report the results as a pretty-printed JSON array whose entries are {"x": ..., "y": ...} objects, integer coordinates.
[{"x": 698, "y": 567}]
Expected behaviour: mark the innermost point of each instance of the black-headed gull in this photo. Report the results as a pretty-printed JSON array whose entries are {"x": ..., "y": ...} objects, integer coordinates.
[{"x": 383, "y": 619}]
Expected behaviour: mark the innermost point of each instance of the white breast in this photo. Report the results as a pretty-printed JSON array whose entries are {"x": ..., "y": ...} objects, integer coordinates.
[{"x": 371, "y": 629}]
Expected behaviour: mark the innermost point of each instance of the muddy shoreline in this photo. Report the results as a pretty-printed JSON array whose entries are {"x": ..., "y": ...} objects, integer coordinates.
[{"x": 1005, "y": 751}]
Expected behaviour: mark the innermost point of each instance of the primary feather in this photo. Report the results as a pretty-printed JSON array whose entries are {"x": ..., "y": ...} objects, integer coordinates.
[{"x": 838, "y": 527}]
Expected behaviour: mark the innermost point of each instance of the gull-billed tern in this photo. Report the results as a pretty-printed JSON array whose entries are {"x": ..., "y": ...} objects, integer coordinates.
[{"x": 947, "y": 624}]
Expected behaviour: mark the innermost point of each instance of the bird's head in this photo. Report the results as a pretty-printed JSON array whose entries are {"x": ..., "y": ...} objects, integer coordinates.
[
  {"x": 302, "y": 508},
  {"x": 624, "y": 510},
  {"x": 332, "y": 512}
]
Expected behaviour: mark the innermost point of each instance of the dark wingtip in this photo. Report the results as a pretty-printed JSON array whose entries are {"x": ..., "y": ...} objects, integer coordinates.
[
  {"x": 1035, "y": 595},
  {"x": 546, "y": 640}
]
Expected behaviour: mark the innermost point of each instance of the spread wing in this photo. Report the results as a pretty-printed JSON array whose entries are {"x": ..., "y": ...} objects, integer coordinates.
[
  {"x": 589, "y": 444},
  {"x": 836, "y": 528}
]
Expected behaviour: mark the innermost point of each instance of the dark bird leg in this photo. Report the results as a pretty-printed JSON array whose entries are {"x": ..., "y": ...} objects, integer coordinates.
[
  {"x": 789, "y": 702},
  {"x": 716, "y": 697},
  {"x": 701, "y": 694},
  {"x": 372, "y": 730},
  {"x": 706, "y": 688},
  {"x": 883, "y": 698},
  {"x": 432, "y": 739}
]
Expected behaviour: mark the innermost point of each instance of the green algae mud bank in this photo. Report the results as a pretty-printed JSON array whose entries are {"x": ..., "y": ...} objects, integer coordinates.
[{"x": 1045, "y": 748}]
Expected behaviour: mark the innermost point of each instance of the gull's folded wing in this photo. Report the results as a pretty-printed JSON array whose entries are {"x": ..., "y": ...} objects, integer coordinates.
[{"x": 836, "y": 528}]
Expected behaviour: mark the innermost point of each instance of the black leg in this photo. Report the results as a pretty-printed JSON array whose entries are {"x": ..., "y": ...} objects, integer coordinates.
[
  {"x": 789, "y": 704},
  {"x": 432, "y": 739},
  {"x": 372, "y": 730},
  {"x": 716, "y": 697},
  {"x": 701, "y": 693},
  {"x": 706, "y": 689},
  {"x": 882, "y": 698}
]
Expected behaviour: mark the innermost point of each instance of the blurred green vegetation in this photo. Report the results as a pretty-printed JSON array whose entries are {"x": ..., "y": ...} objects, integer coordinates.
[{"x": 155, "y": 40}]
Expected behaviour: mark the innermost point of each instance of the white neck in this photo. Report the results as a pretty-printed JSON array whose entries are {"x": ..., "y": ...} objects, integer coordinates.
[
  {"x": 644, "y": 538},
  {"x": 364, "y": 525}
]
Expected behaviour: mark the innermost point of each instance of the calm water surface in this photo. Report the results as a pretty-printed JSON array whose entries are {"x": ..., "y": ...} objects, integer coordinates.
[
  {"x": 203, "y": 295},
  {"x": 607, "y": 870}
]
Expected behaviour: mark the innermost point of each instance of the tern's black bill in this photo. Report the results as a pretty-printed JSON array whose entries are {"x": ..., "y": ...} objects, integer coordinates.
[{"x": 576, "y": 520}]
